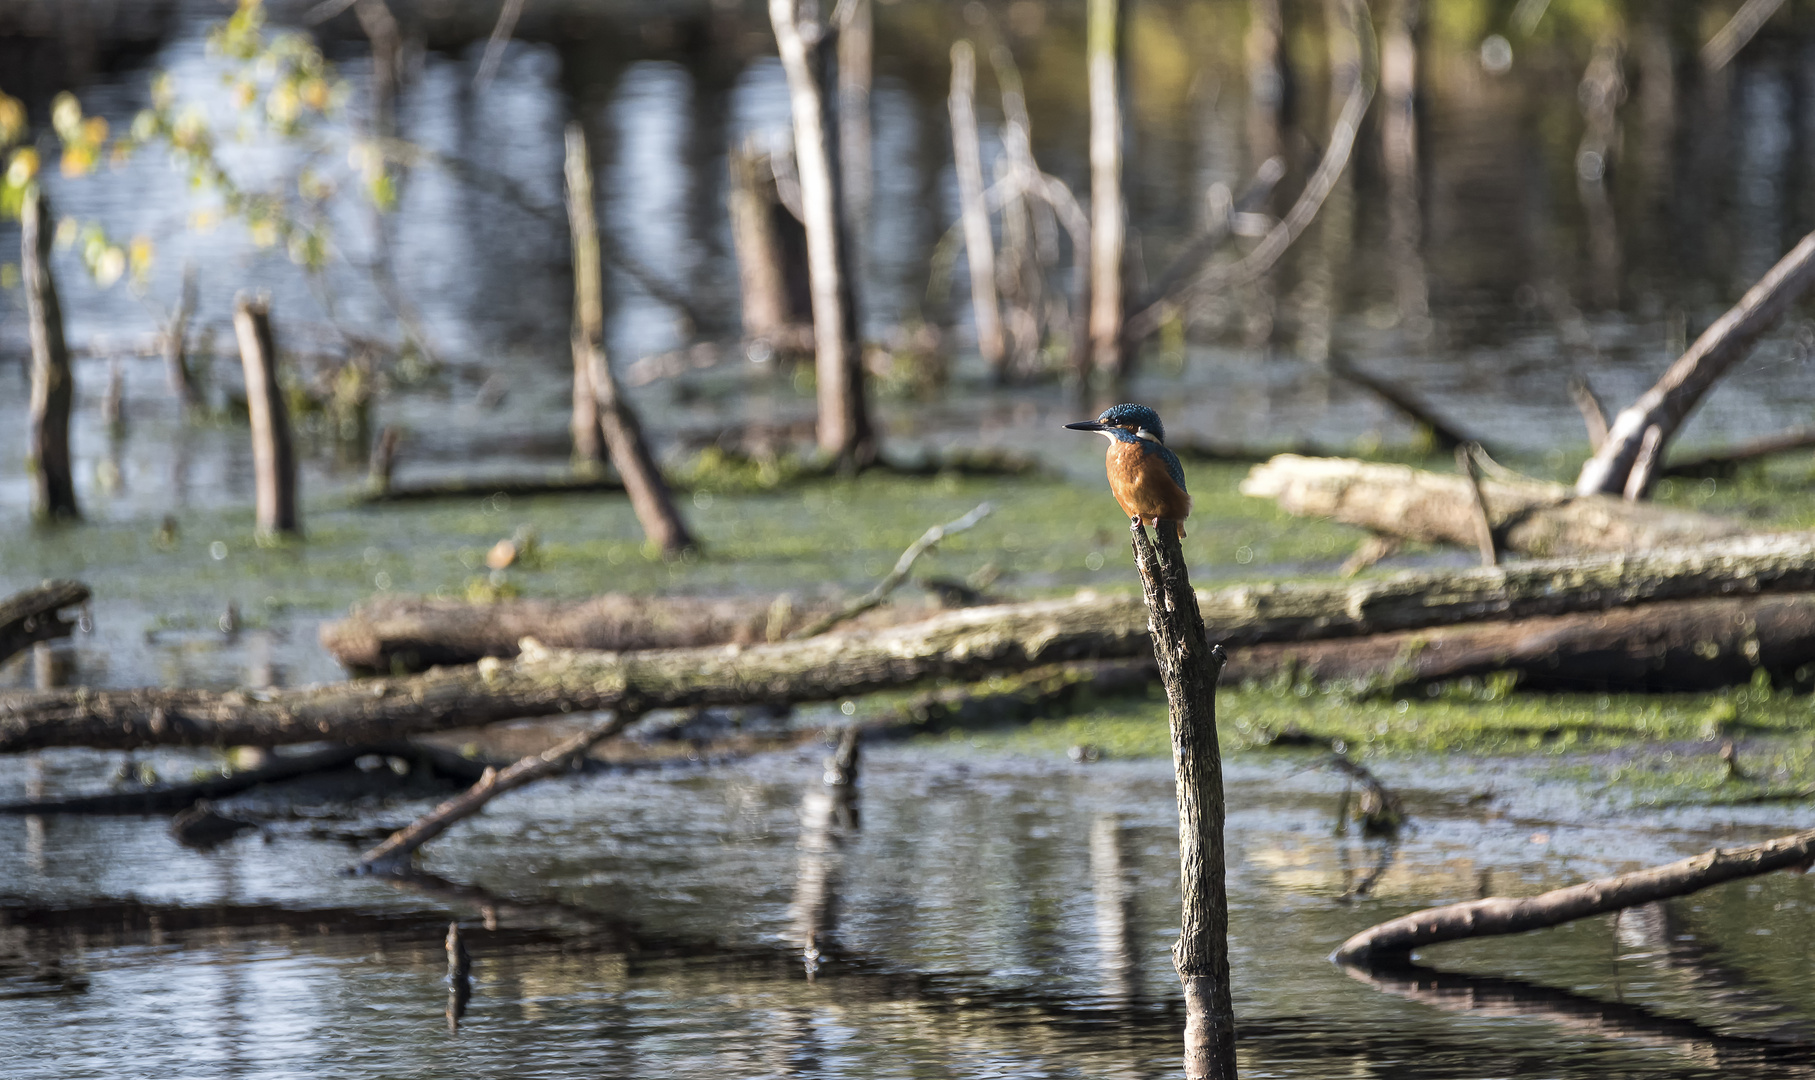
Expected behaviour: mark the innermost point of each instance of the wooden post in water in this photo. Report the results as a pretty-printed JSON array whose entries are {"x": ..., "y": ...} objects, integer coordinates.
[
  {"x": 1190, "y": 666},
  {"x": 844, "y": 422},
  {"x": 856, "y": 56},
  {"x": 616, "y": 422},
  {"x": 273, "y": 458},
  {"x": 979, "y": 245},
  {"x": 176, "y": 346},
  {"x": 53, "y": 383},
  {"x": 1108, "y": 217}
]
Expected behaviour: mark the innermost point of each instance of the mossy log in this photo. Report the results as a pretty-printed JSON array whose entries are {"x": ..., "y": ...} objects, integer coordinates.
[
  {"x": 1514, "y": 915},
  {"x": 965, "y": 644},
  {"x": 30, "y": 616},
  {"x": 389, "y": 634},
  {"x": 1526, "y": 516},
  {"x": 1675, "y": 645},
  {"x": 406, "y": 634}
]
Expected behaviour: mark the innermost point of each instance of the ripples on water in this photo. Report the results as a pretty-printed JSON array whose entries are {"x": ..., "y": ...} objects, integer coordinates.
[{"x": 994, "y": 917}]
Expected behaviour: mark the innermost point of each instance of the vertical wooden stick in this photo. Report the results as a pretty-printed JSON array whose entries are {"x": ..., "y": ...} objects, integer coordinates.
[
  {"x": 761, "y": 282},
  {"x": 844, "y": 424},
  {"x": 53, "y": 383},
  {"x": 273, "y": 458},
  {"x": 856, "y": 49},
  {"x": 617, "y": 423},
  {"x": 1484, "y": 524},
  {"x": 1108, "y": 224},
  {"x": 176, "y": 345},
  {"x": 979, "y": 245},
  {"x": 1190, "y": 666}
]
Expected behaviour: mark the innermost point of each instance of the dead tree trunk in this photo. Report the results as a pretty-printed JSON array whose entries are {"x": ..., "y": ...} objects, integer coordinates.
[
  {"x": 1507, "y": 915},
  {"x": 979, "y": 245},
  {"x": 1399, "y": 152},
  {"x": 856, "y": 49},
  {"x": 53, "y": 382},
  {"x": 176, "y": 346},
  {"x": 844, "y": 423},
  {"x": 1666, "y": 405},
  {"x": 1189, "y": 666},
  {"x": 29, "y": 617},
  {"x": 771, "y": 257},
  {"x": 1108, "y": 215},
  {"x": 1526, "y": 516},
  {"x": 273, "y": 457},
  {"x": 623, "y": 435}
]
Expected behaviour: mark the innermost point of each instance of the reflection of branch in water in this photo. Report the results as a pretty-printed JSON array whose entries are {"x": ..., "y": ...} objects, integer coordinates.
[
  {"x": 1115, "y": 908},
  {"x": 1499, "y": 997},
  {"x": 1382, "y": 861},
  {"x": 828, "y": 814}
]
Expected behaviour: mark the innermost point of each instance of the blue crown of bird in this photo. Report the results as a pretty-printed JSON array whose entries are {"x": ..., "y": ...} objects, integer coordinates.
[{"x": 1145, "y": 477}]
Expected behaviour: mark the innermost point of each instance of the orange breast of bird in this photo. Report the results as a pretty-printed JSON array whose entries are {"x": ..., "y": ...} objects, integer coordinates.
[{"x": 1142, "y": 486}]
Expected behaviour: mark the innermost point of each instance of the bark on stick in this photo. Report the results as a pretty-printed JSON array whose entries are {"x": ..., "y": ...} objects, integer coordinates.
[
  {"x": 1108, "y": 217},
  {"x": 623, "y": 434},
  {"x": 1189, "y": 666},
  {"x": 1510, "y": 915},
  {"x": 273, "y": 456},
  {"x": 1527, "y": 517},
  {"x": 400, "y": 845},
  {"x": 1669, "y": 403},
  {"x": 29, "y": 617},
  {"x": 53, "y": 383},
  {"x": 844, "y": 423},
  {"x": 979, "y": 244}
]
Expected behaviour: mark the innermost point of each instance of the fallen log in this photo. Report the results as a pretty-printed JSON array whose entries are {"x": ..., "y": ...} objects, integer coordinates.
[
  {"x": 1496, "y": 915},
  {"x": 166, "y": 798},
  {"x": 1675, "y": 645},
  {"x": 514, "y": 488},
  {"x": 1528, "y": 517},
  {"x": 964, "y": 645},
  {"x": 30, "y": 616},
  {"x": 391, "y": 633}
]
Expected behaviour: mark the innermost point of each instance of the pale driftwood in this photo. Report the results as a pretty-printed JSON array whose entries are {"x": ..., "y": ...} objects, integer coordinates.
[
  {"x": 1726, "y": 43},
  {"x": 394, "y": 633},
  {"x": 896, "y": 575},
  {"x": 1108, "y": 214},
  {"x": 30, "y": 616},
  {"x": 1675, "y": 645},
  {"x": 617, "y": 421},
  {"x": 1509, "y": 915},
  {"x": 965, "y": 644},
  {"x": 52, "y": 379},
  {"x": 1189, "y": 667},
  {"x": 979, "y": 244},
  {"x": 273, "y": 456},
  {"x": 1529, "y": 517},
  {"x": 844, "y": 423},
  {"x": 1667, "y": 404},
  {"x": 400, "y": 845}
]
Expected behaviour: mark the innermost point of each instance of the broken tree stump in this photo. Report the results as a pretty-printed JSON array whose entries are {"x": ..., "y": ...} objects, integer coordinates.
[
  {"x": 52, "y": 380},
  {"x": 1528, "y": 517},
  {"x": 273, "y": 455}
]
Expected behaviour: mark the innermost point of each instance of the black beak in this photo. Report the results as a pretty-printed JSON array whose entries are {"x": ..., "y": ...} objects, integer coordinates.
[{"x": 1086, "y": 425}]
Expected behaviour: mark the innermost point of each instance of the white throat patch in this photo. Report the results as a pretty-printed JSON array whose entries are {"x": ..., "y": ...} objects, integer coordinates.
[{"x": 1143, "y": 433}]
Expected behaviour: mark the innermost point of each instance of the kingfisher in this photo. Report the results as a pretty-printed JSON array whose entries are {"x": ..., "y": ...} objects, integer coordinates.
[{"x": 1145, "y": 477}]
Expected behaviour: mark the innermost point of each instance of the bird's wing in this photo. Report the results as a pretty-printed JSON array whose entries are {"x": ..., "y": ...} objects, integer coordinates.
[{"x": 1173, "y": 468}]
